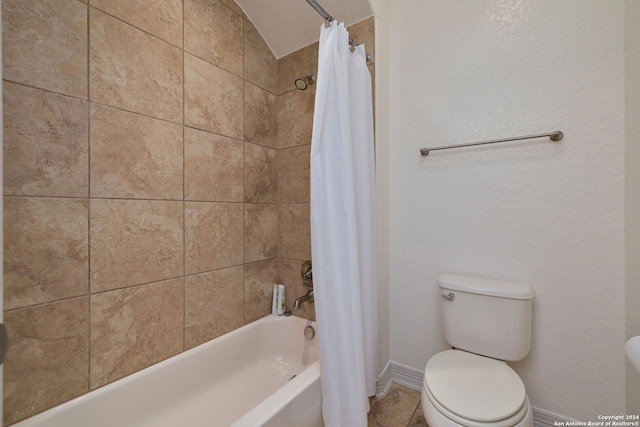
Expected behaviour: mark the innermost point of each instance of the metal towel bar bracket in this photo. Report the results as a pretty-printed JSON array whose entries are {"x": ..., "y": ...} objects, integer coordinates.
[{"x": 553, "y": 136}]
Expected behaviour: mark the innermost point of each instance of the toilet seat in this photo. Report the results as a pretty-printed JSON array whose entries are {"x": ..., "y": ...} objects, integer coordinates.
[
  {"x": 440, "y": 417},
  {"x": 474, "y": 390}
]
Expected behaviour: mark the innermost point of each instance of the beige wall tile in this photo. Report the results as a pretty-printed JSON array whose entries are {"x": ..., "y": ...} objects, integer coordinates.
[
  {"x": 46, "y": 138},
  {"x": 259, "y": 278},
  {"x": 260, "y": 180},
  {"x": 213, "y": 236},
  {"x": 213, "y": 32},
  {"x": 134, "y": 328},
  {"x": 289, "y": 275},
  {"x": 162, "y": 18},
  {"x": 295, "y": 231},
  {"x": 134, "y": 156},
  {"x": 233, "y": 6},
  {"x": 48, "y": 358},
  {"x": 213, "y": 167},
  {"x": 293, "y": 174},
  {"x": 364, "y": 33},
  {"x": 45, "y": 250},
  {"x": 213, "y": 98},
  {"x": 260, "y": 66},
  {"x": 296, "y": 65},
  {"x": 295, "y": 117},
  {"x": 44, "y": 44},
  {"x": 260, "y": 116},
  {"x": 261, "y": 231},
  {"x": 213, "y": 304},
  {"x": 133, "y": 70},
  {"x": 134, "y": 241}
]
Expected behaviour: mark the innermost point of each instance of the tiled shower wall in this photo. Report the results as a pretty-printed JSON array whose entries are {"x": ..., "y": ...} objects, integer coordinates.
[
  {"x": 149, "y": 201},
  {"x": 141, "y": 213}
]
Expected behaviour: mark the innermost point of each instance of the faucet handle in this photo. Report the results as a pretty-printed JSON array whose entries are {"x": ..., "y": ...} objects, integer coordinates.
[{"x": 306, "y": 274}]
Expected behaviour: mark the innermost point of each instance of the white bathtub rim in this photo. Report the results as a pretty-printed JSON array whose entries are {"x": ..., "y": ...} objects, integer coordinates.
[
  {"x": 273, "y": 404},
  {"x": 41, "y": 418}
]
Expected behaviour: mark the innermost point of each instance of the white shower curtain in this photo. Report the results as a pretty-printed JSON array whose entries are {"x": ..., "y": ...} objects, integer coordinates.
[{"x": 343, "y": 227}]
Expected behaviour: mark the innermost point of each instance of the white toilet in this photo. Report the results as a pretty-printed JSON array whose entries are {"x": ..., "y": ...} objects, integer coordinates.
[{"x": 486, "y": 322}]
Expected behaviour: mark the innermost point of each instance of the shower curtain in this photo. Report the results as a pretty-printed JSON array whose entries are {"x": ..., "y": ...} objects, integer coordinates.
[{"x": 343, "y": 227}]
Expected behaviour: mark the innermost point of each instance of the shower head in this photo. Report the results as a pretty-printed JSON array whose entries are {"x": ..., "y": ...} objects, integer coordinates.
[{"x": 304, "y": 82}]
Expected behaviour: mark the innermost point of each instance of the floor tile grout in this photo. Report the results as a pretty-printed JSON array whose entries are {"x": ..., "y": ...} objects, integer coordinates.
[{"x": 399, "y": 408}]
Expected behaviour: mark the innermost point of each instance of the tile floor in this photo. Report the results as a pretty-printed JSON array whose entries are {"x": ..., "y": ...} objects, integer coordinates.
[{"x": 399, "y": 408}]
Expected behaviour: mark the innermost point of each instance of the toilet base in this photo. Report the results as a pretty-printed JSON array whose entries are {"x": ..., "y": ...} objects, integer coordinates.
[{"x": 436, "y": 419}]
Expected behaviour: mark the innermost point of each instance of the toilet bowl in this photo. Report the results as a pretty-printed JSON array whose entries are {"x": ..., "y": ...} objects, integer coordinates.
[{"x": 465, "y": 389}]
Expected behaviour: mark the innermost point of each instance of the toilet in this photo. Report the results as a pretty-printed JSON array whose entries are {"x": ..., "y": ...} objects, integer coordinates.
[{"x": 487, "y": 322}]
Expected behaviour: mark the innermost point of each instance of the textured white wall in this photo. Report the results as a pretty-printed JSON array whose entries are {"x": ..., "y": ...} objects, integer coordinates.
[
  {"x": 547, "y": 214},
  {"x": 632, "y": 188}
]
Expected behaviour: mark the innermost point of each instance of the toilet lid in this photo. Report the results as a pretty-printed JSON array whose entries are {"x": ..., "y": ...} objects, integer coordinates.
[{"x": 474, "y": 387}]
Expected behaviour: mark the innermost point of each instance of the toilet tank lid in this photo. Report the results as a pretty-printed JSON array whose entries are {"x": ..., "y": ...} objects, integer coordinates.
[{"x": 490, "y": 287}]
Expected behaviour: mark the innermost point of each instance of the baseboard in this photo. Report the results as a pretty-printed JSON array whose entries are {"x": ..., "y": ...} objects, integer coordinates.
[
  {"x": 384, "y": 382},
  {"x": 542, "y": 418},
  {"x": 406, "y": 376},
  {"x": 398, "y": 374},
  {"x": 412, "y": 378}
]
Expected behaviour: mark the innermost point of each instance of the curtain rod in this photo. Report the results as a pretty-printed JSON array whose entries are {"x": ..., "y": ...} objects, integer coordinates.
[{"x": 314, "y": 4}]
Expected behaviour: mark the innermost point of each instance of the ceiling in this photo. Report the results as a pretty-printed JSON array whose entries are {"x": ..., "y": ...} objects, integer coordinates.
[{"x": 288, "y": 25}]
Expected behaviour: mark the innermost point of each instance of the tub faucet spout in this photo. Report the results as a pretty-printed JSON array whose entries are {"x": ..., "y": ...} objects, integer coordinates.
[{"x": 308, "y": 297}]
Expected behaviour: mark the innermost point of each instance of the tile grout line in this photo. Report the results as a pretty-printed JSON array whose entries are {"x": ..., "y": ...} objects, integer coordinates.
[
  {"x": 413, "y": 414},
  {"x": 121, "y": 109},
  {"x": 30, "y": 86},
  {"x": 277, "y": 144},
  {"x": 130, "y": 199},
  {"x": 89, "y": 346},
  {"x": 184, "y": 187},
  {"x": 152, "y": 282},
  {"x": 244, "y": 202}
]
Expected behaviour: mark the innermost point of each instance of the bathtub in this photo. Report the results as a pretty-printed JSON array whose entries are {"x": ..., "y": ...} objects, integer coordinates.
[{"x": 263, "y": 374}]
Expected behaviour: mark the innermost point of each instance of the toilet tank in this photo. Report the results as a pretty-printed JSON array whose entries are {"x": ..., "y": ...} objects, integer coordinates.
[{"x": 487, "y": 317}]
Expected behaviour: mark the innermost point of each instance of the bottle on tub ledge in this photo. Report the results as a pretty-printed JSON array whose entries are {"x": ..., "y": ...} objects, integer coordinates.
[
  {"x": 279, "y": 301},
  {"x": 282, "y": 301},
  {"x": 275, "y": 300}
]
